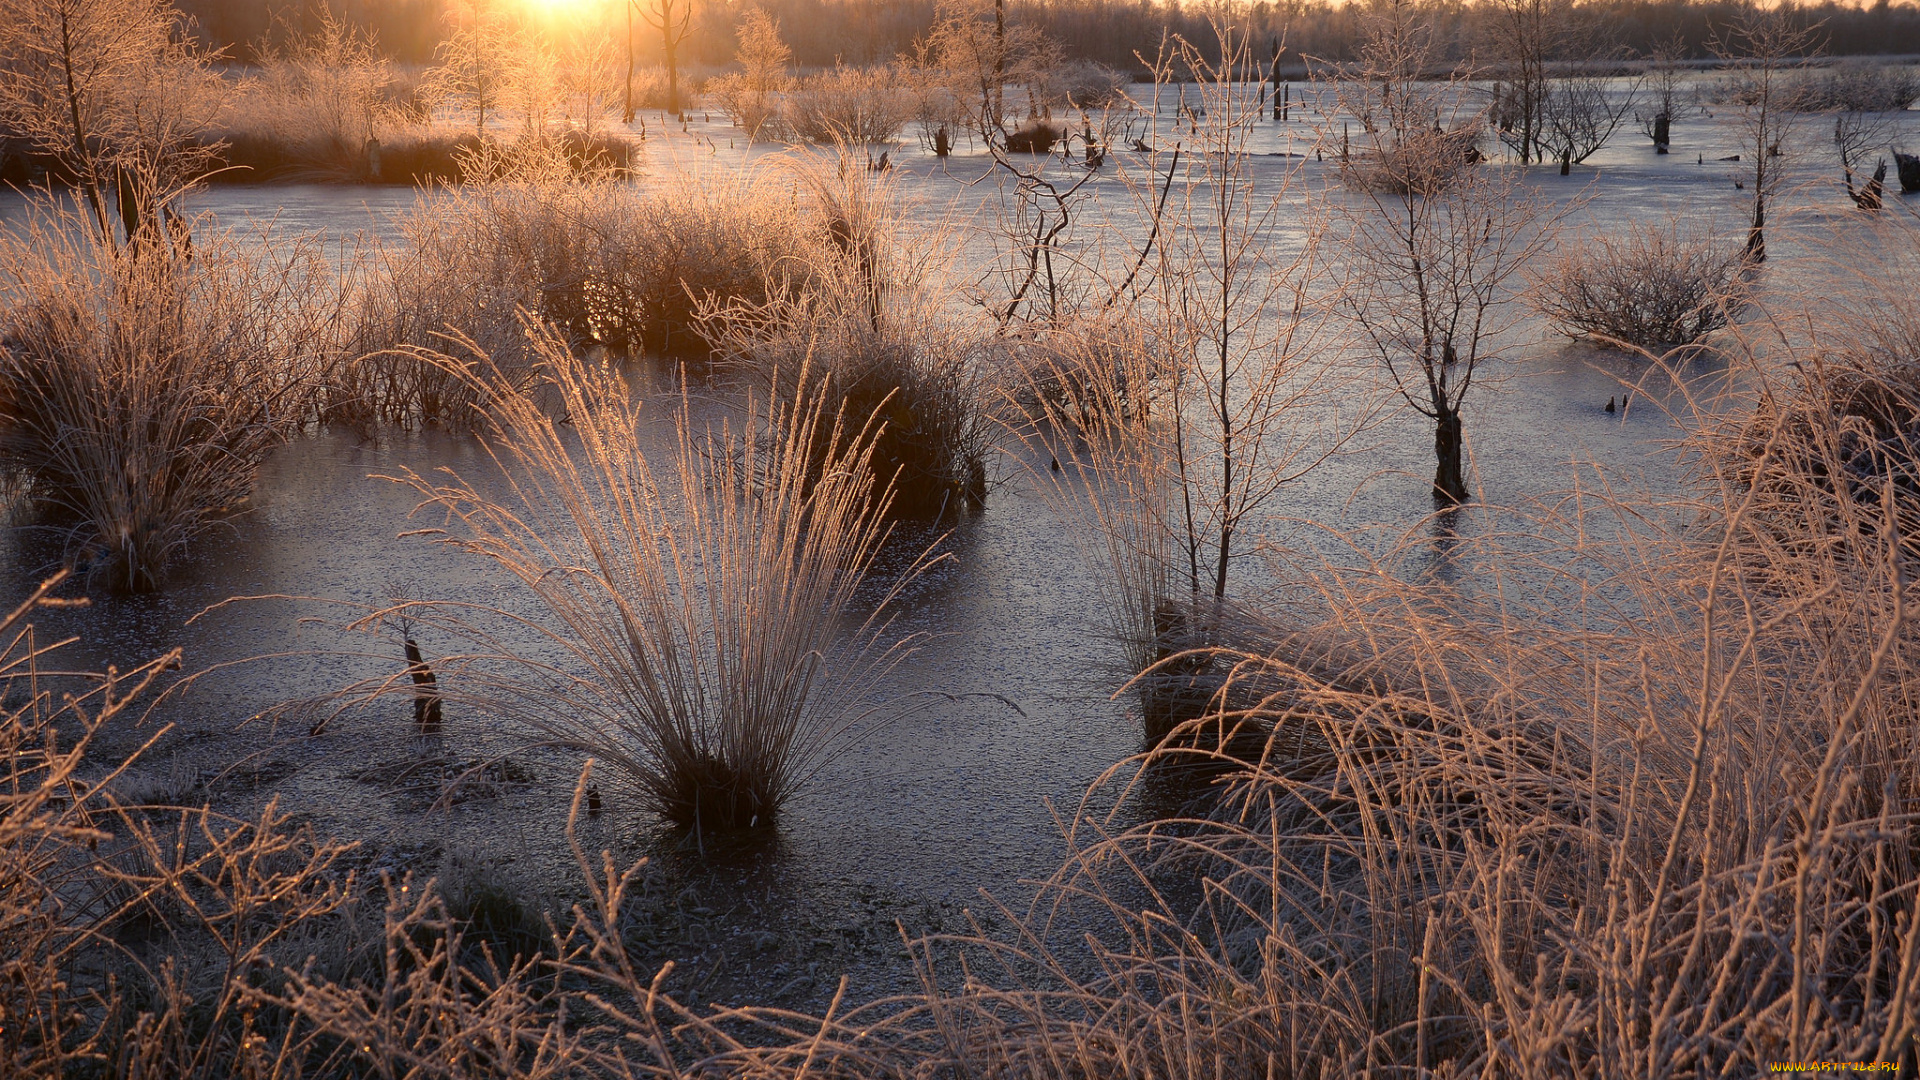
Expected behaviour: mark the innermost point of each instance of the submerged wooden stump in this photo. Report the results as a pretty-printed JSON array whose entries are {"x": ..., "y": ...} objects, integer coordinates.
[{"x": 1909, "y": 165}]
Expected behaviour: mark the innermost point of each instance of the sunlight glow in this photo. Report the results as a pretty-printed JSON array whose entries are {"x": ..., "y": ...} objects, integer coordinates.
[{"x": 558, "y": 10}]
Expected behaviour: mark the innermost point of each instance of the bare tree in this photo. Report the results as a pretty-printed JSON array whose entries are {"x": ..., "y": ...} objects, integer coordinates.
[
  {"x": 338, "y": 76},
  {"x": 108, "y": 89},
  {"x": 589, "y": 67},
  {"x": 981, "y": 58},
  {"x": 674, "y": 20},
  {"x": 534, "y": 84},
  {"x": 941, "y": 96},
  {"x": 1582, "y": 112},
  {"x": 626, "y": 99},
  {"x": 1189, "y": 382},
  {"x": 478, "y": 62},
  {"x": 1526, "y": 36},
  {"x": 1666, "y": 91},
  {"x": 1436, "y": 252},
  {"x": 1233, "y": 294},
  {"x": 748, "y": 95},
  {"x": 1858, "y": 135},
  {"x": 1767, "y": 47}
]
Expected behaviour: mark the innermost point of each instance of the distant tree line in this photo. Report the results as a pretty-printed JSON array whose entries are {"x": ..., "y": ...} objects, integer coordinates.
[
  {"x": 822, "y": 33},
  {"x": 406, "y": 30}
]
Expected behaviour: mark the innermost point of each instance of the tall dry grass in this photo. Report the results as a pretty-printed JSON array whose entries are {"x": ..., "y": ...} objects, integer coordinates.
[
  {"x": 870, "y": 322},
  {"x": 700, "y": 628},
  {"x": 1640, "y": 811},
  {"x": 140, "y": 391}
]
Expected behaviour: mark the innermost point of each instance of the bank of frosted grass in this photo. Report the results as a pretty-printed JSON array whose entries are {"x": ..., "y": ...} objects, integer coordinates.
[
  {"x": 1672, "y": 836},
  {"x": 1651, "y": 815}
]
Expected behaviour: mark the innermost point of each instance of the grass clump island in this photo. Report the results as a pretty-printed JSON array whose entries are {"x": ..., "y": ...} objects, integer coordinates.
[{"x": 1610, "y": 782}]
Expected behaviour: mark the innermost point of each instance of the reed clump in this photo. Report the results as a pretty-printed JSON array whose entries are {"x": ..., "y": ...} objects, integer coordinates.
[
  {"x": 711, "y": 649},
  {"x": 607, "y": 265},
  {"x": 1654, "y": 289},
  {"x": 924, "y": 384},
  {"x": 1830, "y": 458},
  {"x": 401, "y": 157},
  {"x": 868, "y": 327},
  {"x": 1678, "y": 839},
  {"x": 140, "y": 390}
]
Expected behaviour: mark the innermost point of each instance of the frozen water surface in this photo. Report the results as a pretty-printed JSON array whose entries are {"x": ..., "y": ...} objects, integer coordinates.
[{"x": 959, "y": 795}]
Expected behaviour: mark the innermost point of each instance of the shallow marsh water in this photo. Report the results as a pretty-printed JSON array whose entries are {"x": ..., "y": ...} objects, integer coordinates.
[{"x": 1014, "y": 700}]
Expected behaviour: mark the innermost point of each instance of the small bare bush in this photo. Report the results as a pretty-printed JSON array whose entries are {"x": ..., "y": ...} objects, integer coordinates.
[
  {"x": 1082, "y": 84},
  {"x": 140, "y": 392},
  {"x": 1656, "y": 288},
  {"x": 850, "y": 105}
]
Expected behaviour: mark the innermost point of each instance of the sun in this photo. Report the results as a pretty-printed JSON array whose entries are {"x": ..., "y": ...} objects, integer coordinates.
[{"x": 563, "y": 10}]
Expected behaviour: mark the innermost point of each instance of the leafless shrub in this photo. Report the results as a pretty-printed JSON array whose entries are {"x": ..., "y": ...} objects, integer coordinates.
[
  {"x": 1082, "y": 84},
  {"x": 1657, "y": 288},
  {"x": 856, "y": 106}
]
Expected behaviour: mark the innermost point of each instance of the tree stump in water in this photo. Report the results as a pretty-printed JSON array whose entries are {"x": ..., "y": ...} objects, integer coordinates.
[
  {"x": 1869, "y": 197},
  {"x": 426, "y": 691},
  {"x": 1909, "y": 165},
  {"x": 1033, "y": 138},
  {"x": 1662, "y": 133}
]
